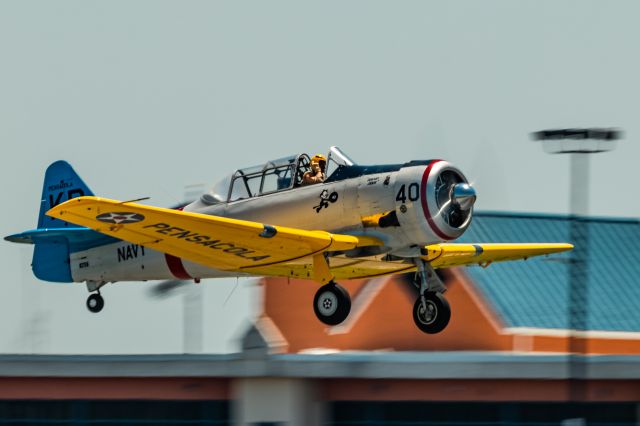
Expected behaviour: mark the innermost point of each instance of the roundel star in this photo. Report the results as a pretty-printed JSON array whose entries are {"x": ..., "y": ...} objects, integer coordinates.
[{"x": 120, "y": 217}]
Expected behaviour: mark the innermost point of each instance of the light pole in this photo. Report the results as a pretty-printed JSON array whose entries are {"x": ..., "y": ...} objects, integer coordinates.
[{"x": 579, "y": 144}]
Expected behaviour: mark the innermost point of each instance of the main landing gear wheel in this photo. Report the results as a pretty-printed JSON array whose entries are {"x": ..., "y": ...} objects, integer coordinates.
[
  {"x": 95, "y": 303},
  {"x": 332, "y": 304},
  {"x": 434, "y": 315}
]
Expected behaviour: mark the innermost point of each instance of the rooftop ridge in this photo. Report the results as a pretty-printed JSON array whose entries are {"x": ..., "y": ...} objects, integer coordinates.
[{"x": 554, "y": 216}]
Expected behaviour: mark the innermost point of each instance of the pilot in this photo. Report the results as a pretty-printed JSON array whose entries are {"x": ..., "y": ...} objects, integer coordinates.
[{"x": 316, "y": 174}]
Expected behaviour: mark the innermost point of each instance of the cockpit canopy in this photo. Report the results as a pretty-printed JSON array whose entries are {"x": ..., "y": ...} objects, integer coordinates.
[{"x": 274, "y": 176}]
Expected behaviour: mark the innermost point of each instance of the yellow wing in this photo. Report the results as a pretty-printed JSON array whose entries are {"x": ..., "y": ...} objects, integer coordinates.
[
  {"x": 438, "y": 255},
  {"x": 218, "y": 242},
  {"x": 260, "y": 249},
  {"x": 451, "y": 254}
]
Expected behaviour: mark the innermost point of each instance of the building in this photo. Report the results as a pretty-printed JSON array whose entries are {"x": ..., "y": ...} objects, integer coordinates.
[{"x": 504, "y": 359}]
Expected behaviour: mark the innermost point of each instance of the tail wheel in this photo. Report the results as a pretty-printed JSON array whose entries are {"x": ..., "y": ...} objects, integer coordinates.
[
  {"x": 95, "y": 303},
  {"x": 434, "y": 315},
  {"x": 332, "y": 304}
]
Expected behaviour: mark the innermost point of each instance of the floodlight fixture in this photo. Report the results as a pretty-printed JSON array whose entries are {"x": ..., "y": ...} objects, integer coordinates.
[{"x": 578, "y": 140}]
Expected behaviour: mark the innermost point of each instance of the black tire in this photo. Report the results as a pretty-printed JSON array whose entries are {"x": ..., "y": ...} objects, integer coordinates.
[
  {"x": 95, "y": 303},
  {"x": 332, "y": 304},
  {"x": 438, "y": 315}
]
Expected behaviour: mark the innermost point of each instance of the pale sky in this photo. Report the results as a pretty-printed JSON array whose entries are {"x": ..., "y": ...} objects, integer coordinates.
[{"x": 145, "y": 97}]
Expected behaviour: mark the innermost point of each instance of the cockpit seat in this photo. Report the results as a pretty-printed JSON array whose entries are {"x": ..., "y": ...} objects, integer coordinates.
[{"x": 284, "y": 182}]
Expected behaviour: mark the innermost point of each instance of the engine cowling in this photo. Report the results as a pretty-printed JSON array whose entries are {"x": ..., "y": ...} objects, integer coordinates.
[{"x": 434, "y": 202}]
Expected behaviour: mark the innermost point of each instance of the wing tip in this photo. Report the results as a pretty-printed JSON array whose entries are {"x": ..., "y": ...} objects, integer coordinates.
[{"x": 58, "y": 210}]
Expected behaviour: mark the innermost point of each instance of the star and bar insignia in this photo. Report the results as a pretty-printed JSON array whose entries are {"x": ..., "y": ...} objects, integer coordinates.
[{"x": 120, "y": 217}]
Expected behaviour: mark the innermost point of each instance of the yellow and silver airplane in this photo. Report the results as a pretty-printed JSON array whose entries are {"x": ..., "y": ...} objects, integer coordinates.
[{"x": 360, "y": 222}]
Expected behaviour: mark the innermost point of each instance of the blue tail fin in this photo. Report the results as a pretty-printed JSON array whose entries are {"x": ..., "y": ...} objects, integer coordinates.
[
  {"x": 51, "y": 257},
  {"x": 54, "y": 239},
  {"x": 61, "y": 183}
]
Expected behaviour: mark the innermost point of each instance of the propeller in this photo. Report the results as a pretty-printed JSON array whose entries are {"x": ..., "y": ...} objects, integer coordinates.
[
  {"x": 463, "y": 196},
  {"x": 165, "y": 288},
  {"x": 455, "y": 197}
]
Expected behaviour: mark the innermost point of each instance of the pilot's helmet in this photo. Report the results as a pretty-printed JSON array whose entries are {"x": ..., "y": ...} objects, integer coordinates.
[{"x": 320, "y": 159}]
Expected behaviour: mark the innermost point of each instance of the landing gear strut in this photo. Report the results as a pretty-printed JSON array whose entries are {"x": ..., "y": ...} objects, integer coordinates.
[
  {"x": 332, "y": 304},
  {"x": 431, "y": 312},
  {"x": 95, "y": 302}
]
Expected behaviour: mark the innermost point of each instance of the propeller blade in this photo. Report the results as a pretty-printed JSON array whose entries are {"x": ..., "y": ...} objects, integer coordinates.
[{"x": 165, "y": 288}]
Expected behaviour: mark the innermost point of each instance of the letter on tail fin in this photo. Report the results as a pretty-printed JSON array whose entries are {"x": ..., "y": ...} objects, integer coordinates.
[{"x": 61, "y": 183}]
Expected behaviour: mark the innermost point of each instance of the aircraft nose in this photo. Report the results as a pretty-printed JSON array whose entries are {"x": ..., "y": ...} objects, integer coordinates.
[{"x": 463, "y": 195}]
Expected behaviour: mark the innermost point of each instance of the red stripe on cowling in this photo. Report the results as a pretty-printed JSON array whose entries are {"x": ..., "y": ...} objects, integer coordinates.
[
  {"x": 425, "y": 205},
  {"x": 176, "y": 267}
]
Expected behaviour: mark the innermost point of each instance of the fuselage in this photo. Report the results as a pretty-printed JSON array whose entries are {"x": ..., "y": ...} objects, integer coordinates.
[{"x": 407, "y": 206}]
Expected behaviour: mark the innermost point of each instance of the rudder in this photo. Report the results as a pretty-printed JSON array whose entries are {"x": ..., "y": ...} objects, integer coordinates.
[
  {"x": 61, "y": 183},
  {"x": 51, "y": 258}
]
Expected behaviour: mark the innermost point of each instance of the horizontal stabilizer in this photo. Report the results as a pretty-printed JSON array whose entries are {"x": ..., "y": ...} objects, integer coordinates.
[{"x": 77, "y": 238}]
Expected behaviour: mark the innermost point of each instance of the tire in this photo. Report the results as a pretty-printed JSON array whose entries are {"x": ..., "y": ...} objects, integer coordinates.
[
  {"x": 332, "y": 304},
  {"x": 95, "y": 303},
  {"x": 438, "y": 315}
]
